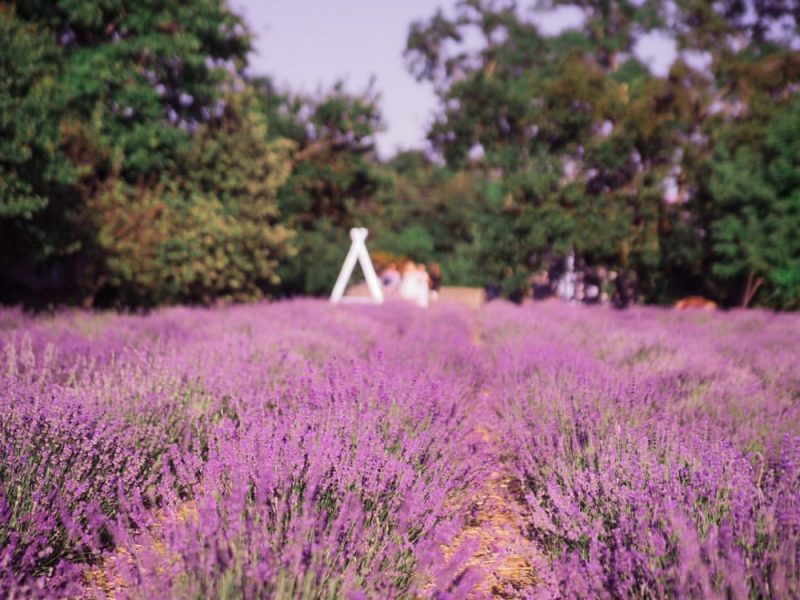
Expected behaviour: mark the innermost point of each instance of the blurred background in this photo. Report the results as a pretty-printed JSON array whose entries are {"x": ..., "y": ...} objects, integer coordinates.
[{"x": 194, "y": 152}]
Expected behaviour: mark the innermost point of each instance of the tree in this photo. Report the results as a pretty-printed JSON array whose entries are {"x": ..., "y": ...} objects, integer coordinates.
[
  {"x": 429, "y": 213},
  {"x": 107, "y": 100},
  {"x": 32, "y": 167},
  {"x": 744, "y": 224},
  {"x": 30, "y": 164},
  {"x": 756, "y": 227},
  {"x": 614, "y": 26},
  {"x": 210, "y": 231},
  {"x": 334, "y": 177},
  {"x": 584, "y": 142},
  {"x": 750, "y": 78},
  {"x": 559, "y": 125},
  {"x": 158, "y": 69}
]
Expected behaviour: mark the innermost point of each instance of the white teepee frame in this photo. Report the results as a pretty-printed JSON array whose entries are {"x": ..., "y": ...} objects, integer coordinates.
[{"x": 358, "y": 252}]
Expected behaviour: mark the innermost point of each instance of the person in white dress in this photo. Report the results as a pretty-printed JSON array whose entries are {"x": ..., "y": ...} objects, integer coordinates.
[
  {"x": 414, "y": 285},
  {"x": 423, "y": 286}
]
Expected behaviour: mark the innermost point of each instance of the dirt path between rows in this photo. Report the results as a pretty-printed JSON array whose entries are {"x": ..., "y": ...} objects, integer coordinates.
[{"x": 495, "y": 518}]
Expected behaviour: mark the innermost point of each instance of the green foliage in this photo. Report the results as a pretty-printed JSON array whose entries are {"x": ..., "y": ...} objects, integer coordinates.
[
  {"x": 320, "y": 252},
  {"x": 211, "y": 230},
  {"x": 114, "y": 100},
  {"x": 757, "y": 214},
  {"x": 613, "y": 27},
  {"x": 30, "y": 163},
  {"x": 414, "y": 240},
  {"x": 33, "y": 171},
  {"x": 139, "y": 166},
  {"x": 156, "y": 67},
  {"x": 745, "y": 200},
  {"x": 579, "y": 139},
  {"x": 428, "y": 213},
  {"x": 334, "y": 178},
  {"x": 552, "y": 126}
]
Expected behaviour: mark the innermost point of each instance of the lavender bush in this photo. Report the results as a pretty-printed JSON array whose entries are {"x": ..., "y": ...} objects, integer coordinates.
[
  {"x": 303, "y": 450},
  {"x": 660, "y": 452},
  {"x": 278, "y": 450}
]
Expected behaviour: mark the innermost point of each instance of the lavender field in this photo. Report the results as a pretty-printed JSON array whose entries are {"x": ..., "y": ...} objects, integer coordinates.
[{"x": 301, "y": 450}]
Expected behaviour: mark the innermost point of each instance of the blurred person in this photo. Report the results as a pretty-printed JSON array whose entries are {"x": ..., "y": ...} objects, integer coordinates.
[
  {"x": 619, "y": 297},
  {"x": 409, "y": 281},
  {"x": 492, "y": 291},
  {"x": 568, "y": 283},
  {"x": 414, "y": 284},
  {"x": 390, "y": 278},
  {"x": 540, "y": 286},
  {"x": 604, "y": 275},
  {"x": 435, "y": 273},
  {"x": 591, "y": 288},
  {"x": 626, "y": 290},
  {"x": 423, "y": 286}
]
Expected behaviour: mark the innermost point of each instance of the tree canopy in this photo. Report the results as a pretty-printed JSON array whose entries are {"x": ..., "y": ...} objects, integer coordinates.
[
  {"x": 140, "y": 164},
  {"x": 585, "y": 143}
]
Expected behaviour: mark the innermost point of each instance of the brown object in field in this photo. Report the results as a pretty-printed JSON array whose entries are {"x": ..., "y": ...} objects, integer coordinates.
[
  {"x": 695, "y": 302},
  {"x": 474, "y": 298}
]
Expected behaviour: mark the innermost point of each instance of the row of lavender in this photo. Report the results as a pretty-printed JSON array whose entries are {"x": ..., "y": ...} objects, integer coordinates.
[
  {"x": 659, "y": 451},
  {"x": 287, "y": 450},
  {"x": 302, "y": 450}
]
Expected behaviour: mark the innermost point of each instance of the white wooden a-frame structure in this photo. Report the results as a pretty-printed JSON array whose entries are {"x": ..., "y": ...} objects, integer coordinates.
[{"x": 358, "y": 252}]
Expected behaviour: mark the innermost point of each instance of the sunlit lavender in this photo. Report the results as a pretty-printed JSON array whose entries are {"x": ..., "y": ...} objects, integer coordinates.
[{"x": 299, "y": 449}]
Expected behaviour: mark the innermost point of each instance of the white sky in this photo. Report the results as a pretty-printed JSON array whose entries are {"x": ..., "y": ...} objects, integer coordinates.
[{"x": 306, "y": 45}]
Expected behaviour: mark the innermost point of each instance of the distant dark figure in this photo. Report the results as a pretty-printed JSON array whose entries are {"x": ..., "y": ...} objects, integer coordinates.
[
  {"x": 627, "y": 290},
  {"x": 435, "y": 273},
  {"x": 492, "y": 292},
  {"x": 542, "y": 291},
  {"x": 621, "y": 298},
  {"x": 592, "y": 288},
  {"x": 540, "y": 286}
]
